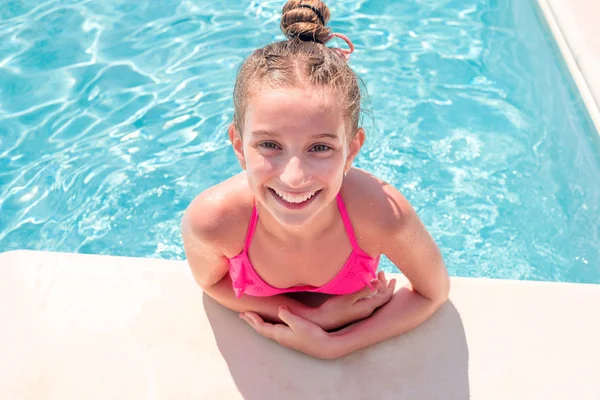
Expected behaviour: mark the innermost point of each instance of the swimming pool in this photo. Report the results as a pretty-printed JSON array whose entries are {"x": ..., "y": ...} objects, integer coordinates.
[{"x": 113, "y": 117}]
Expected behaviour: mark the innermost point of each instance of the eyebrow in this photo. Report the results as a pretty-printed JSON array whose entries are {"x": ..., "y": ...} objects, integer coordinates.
[{"x": 271, "y": 133}]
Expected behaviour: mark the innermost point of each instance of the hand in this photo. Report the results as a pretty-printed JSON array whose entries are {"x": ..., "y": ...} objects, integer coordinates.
[
  {"x": 342, "y": 310},
  {"x": 298, "y": 333}
]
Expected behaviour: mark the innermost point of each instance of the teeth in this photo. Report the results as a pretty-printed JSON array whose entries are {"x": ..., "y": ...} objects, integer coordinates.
[{"x": 295, "y": 198}]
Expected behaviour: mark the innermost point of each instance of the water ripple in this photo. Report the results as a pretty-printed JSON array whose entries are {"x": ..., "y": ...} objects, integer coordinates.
[{"x": 113, "y": 116}]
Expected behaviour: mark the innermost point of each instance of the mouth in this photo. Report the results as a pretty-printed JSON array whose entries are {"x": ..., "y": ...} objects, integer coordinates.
[{"x": 294, "y": 201}]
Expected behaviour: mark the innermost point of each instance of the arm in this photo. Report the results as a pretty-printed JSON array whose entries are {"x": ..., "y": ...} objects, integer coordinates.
[
  {"x": 207, "y": 228},
  {"x": 406, "y": 310},
  {"x": 410, "y": 247},
  {"x": 210, "y": 270},
  {"x": 201, "y": 233}
]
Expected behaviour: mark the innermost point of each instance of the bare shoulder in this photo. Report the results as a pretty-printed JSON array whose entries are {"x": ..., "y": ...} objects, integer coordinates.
[
  {"x": 220, "y": 214},
  {"x": 375, "y": 207}
]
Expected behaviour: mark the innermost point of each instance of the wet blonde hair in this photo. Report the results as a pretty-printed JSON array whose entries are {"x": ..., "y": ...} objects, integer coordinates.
[{"x": 301, "y": 61}]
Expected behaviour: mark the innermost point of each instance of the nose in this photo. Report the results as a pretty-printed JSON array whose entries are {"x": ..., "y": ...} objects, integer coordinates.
[{"x": 294, "y": 173}]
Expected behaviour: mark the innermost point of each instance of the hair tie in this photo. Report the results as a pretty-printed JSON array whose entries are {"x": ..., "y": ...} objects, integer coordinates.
[
  {"x": 315, "y": 11},
  {"x": 344, "y": 53}
]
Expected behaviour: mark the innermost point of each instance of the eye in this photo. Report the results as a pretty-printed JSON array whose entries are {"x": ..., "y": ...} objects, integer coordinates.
[
  {"x": 320, "y": 148},
  {"x": 268, "y": 145}
]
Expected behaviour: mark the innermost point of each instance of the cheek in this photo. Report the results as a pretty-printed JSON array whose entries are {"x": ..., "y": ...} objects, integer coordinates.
[
  {"x": 328, "y": 168},
  {"x": 258, "y": 165},
  {"x": 335, "y": 161}
]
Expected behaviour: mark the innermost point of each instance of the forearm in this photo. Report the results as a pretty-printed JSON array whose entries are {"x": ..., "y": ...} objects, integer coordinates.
[
  {"x": 406, "y": 310},
  {"x": 266, "y": 307}
]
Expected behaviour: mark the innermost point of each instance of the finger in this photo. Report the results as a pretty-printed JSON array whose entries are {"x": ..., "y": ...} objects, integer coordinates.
[
  {"x": 264, "y": 328},
  {"x": 246, "y": 319},
  {"x": 381, "y": 277},
  {"x": 277, "y": 332},
  {"x": 379, "y": 299},
  {"x": 249, "y": 322},
  {"x": 376, "y": 301},
  {"x": 292, "y": 320},
  {"x": 366, "y": 291},
  {"x": 254, "y": 318},
  {"x": 288, "y": 318},
  {"x": 392, "y": 285}
]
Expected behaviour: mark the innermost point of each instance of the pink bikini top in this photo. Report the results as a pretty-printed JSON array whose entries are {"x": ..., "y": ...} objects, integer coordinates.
[{"x": 359, "y": 270}]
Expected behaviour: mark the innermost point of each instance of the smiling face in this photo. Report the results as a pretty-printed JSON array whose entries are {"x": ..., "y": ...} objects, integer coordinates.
[{"x": 295, "y": 150}]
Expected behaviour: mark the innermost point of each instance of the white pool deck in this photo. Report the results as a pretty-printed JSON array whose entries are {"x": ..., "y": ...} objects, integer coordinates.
[
  {"x": 576, "y": 29},
  {"x": 97, "y": 327}
]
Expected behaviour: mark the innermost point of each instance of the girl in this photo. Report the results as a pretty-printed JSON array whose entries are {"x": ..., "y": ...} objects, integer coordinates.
[{"x": 300, "y": 218}]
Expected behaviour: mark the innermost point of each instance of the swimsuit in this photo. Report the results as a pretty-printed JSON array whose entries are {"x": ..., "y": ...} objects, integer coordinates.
[{"x": 359, "y": 270}]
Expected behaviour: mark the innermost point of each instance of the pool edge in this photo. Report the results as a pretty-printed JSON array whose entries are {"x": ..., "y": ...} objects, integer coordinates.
[
  {"x": 566, "y": 37},
  {"x": 143, "y": 326}
]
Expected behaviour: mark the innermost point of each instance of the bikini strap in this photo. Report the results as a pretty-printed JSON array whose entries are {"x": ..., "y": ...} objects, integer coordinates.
[
  {"x": 348, "y": 224},
  {"x": 251, "y": 229}
]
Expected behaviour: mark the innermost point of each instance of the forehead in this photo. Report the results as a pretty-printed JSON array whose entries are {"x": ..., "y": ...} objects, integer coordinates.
[{"x": 294, "y": 110}]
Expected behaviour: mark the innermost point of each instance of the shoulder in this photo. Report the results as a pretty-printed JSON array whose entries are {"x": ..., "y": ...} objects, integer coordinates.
[
  {"x": 376, "y": 208},
  {"x": 220, "y": 214}
]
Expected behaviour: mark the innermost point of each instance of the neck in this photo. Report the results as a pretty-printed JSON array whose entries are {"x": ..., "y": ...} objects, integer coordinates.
[{"x": 297, "y": 235}]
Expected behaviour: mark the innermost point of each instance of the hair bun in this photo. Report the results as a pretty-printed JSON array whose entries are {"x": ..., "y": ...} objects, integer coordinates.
[{"x": 305, "y": 20}]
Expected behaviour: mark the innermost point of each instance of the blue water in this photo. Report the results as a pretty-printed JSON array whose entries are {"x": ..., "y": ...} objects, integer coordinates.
[{"x": 113, "y": 118}]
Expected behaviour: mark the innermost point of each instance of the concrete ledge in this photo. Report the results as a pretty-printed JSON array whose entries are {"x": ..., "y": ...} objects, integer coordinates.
[
  {"x": 97, "y": 327},
  {"x": 574, "y": 24}
]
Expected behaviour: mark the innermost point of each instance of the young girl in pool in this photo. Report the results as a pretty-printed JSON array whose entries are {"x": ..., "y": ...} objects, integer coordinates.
[{"x": 300, "y": 218}]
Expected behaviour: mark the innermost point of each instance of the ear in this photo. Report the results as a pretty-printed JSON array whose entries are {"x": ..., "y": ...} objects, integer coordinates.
[
  {"x": 235, "y": 138},
  {"x": 354, "y": 147}
]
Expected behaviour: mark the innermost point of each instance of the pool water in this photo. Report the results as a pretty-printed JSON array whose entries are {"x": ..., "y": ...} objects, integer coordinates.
[{"x": 113, "y": 117}]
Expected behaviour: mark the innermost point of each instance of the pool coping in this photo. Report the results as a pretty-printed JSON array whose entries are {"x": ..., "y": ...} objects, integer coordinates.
[
  {"x": 577, "y": 36},
  {"x": 95, "y": 327}
]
